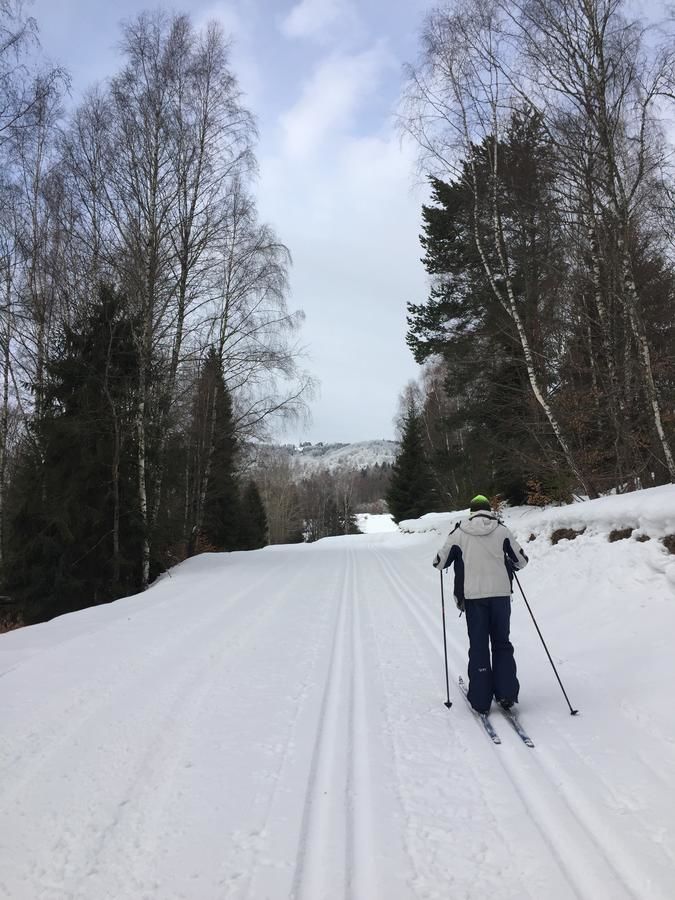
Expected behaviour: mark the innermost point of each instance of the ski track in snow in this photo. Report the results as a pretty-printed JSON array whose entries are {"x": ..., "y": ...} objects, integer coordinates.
[
  {"x": 342, "y": 843},
  {"x": 422, "y": 630},
  {"x": 271, "y": 725},
  {"x": 577, "y": 831},
  {"x": 163, "y": 711},
  {"x": 325, "y": 838}
]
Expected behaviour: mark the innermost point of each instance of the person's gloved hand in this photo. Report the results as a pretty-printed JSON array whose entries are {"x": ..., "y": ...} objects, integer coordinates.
[
  {"x": 459, "y": 603},
  {"x": 437, "y": 560}
]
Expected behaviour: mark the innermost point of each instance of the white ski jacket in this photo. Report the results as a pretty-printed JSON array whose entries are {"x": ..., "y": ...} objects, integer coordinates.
[{"x": 484, "y": 552}]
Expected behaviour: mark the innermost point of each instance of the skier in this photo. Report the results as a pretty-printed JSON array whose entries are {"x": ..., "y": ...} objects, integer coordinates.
[{"x": 484, "y": 554}]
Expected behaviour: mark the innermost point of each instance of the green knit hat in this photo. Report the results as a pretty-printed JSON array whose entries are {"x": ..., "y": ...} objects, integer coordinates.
[{"x": 480, "y": 501}]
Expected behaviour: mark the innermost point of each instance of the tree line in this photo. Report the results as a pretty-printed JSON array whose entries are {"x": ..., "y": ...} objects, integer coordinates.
[
  {"x": 145, "y": 337},
  {"x": 548, "y": 336},
  {"x": 308, "y": 506}
]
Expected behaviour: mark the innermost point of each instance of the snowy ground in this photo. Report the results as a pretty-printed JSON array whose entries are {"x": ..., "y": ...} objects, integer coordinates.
[
  {"x": 370, "y": 523},
  {"x": 271, "y": 725}
]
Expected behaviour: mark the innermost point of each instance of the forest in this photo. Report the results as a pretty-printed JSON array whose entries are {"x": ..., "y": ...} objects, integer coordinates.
[
  {"x": 145, "y": 336},
  {"x": 547, "y": 340},
  {"x": 148, "y": 351}
]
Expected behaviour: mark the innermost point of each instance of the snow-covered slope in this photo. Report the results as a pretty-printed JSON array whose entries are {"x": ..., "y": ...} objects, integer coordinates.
[
  {"x": 369, "y": 523},
  {"x": 647, "y": 515},
  {"x": 336, "y": 457},
  {"x": 648, "y": 512},
  {"x": 271, "y": 725}
]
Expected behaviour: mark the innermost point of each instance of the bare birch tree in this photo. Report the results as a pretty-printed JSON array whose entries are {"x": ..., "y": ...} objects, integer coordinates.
[
  {"x": 142, "y": 199},
  {"x": 9, "y": 268},
  {"x": 22, "y": 89},
  {"x": 146, "y": 193},
  {"x": 85, "y": 153},
  {"x": 40, "y": 236},
  {"x": 252, "y": 327}
]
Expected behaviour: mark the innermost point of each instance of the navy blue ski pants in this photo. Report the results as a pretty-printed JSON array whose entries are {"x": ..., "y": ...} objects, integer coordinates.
[{"x": 488, "y": 621}]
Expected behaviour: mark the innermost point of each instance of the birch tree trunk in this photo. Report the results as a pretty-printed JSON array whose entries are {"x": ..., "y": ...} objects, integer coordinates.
[
  {"x": 598, "y": 67},
  {"x": 4, "y": 412},
  {"x": 510, "y": 305},
  {"x": 455, "y": 102},
  {"x": 645, "y": 361}
]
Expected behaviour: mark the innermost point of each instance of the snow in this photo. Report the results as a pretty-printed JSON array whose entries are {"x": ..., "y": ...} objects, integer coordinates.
[
  {"x": 370, "y": 523},
  {"x": 345, "y": 457},
  {"x": 651, "y": 511},
  {"x": 436, "y": 522},
  {"x": 271, "y": 725}
]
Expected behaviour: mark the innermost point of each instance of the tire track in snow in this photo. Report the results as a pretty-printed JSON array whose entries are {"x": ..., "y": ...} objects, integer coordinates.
[{"x": 576, "y": 835}]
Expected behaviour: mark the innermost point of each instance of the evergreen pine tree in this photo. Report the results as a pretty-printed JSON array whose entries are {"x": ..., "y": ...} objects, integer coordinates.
[
  {"x": 253, "y": 519},
  {"x": 411, "y": 490},
  {"x": 348, "y": 523},
  {"x": 73, "y": 524},
  {"x": 493, "y": 432},
  {"x": 220, "y": 518}
]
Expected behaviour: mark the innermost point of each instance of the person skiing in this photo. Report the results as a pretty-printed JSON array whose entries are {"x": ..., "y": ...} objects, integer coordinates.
[{"x": 484, "y": 554}]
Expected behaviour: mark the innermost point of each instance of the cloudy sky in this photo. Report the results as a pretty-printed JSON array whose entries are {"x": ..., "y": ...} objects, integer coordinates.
[{"x": 322, "y": 77}]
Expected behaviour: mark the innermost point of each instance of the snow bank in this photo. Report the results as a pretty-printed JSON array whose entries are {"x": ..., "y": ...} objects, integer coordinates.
[
  {"x": 649, "y": 512},
  {"x": 439, "y": 522},
  {"x": 375, "y": 524}
]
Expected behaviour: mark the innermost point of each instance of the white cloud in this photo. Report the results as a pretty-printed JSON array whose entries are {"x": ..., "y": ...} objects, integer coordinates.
[
  {"x": 352, "y": 216},
  {"x": 338, "y": 188},
  {"x": 331, "y": 98},
  {"x": 224, "y": 13},
  {"x": 314, "y": 18},
  {"x": 239, "y": 29}
]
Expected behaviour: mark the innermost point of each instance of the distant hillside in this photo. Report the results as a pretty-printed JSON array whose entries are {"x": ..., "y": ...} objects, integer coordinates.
[{"x": 343, "y": 457}]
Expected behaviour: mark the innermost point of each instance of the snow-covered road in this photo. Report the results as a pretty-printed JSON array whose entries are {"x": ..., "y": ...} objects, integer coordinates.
[{"x": 271, "y": 725}]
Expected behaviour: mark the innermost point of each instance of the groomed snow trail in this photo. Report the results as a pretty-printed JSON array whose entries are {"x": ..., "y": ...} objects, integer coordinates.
[{"x": 271, "y": 725}]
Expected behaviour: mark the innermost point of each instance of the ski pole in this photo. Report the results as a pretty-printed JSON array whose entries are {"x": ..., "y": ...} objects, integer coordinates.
[
  {"x": 448, "y": 702},
  {"x": 573, "y": 712}
]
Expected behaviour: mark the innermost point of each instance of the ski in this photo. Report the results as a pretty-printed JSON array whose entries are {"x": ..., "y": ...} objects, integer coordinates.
[
  {"x": 517, "y": 727},
  {"x": 484, "y": 719}
]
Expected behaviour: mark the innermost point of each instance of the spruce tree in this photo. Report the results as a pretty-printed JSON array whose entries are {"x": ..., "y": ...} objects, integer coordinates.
[
  {"x": 253, "y": 519},
  {"x": 411, "y": 491},
  {"x": 221, "y": 504},
  {"x": 73, "y": 523},
  {"x": 493, "y": 432}
]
